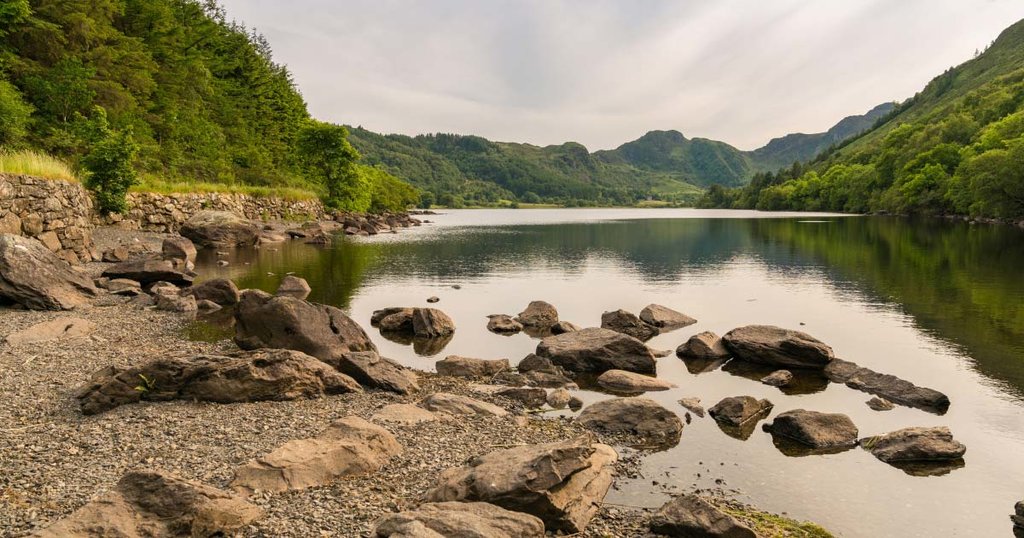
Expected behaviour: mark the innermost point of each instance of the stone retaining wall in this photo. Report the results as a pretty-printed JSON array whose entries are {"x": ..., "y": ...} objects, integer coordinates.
[
  {"x": 57, "y": 213},
  {"x": 166, "y": 212}
]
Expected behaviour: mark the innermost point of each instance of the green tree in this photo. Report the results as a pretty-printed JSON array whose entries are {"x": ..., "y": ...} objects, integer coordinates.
[
  {"x": 109, "y": 164},
  {"x": 331, "y": 160},
  {"x": 14, "y": 114}
]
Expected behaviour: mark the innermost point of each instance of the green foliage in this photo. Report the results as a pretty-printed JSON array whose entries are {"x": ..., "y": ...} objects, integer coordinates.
[
  {"x": 14, "y": 114},
  {"x": 388, "y": 193},
  {"x": 955, "y": 148},
  {"x": 331, "y": 160},
  {"x": 110, "y": 164}
]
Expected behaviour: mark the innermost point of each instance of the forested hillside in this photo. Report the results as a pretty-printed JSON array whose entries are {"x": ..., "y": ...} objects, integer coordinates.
[
  {"x": 957, "y": 147},
  {"x": 199, "y": 95},
  {"x": 661, "y": 165}
]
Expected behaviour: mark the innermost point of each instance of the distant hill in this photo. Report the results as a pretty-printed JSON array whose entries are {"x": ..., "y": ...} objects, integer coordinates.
[
  {"x": 957, "y": 147},
  {"x": 661, "y": 165}
]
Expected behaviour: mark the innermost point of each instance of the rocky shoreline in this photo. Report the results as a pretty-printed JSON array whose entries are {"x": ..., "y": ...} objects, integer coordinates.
[{"x": 57, "y": 458}]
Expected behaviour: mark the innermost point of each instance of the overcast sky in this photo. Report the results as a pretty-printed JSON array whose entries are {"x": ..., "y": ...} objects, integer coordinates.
[{"x": 603, "y": 72}]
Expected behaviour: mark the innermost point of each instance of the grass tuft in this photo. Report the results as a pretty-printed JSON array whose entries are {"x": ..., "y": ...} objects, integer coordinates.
[
  {"x": 150, "y": 184},
  {"x": 31, "y": 163},
  {"x": 766, "y": 524}
]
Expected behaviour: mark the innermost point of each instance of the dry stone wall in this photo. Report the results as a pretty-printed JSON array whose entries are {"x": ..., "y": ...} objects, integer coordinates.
[
  {"x": 57, "y": 213},
  {"x": 167, "y": 212}
]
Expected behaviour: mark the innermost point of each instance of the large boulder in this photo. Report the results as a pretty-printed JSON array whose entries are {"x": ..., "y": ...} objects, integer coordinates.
[
  {"x": 887, "y": 386},
  {"x": 456, "y": 366},
  {"x": 597, "y": 350},
  {"x": 915, "y": 445},
  {"x": 218, "y": 290},
  {"x": 456, "y": 404},
  {"x": 372, "y": 370},
  {"x": 689, "y": 516},
  {"x": 629, "y": 382},
  {"x": 538, "y": 315},
  {"x": 562, "y": 483},
  {"x": 220, "y": 229},
  {"x": 459, "y": 520},
  {"x": 178, "y": 248},
  {"x": 159, "y": 505},
  {"x": 774, "y": 346},
  {"x": 665, "y": 318},
  {"x": 263, "y": 321},
  {"x": 36, "y": 278},
  {"x": 815, "y": 430},
  {"x": 55, "y": 329},
  {"x": 642, "y": 417},
  {"x": 703, "y": 346},
  {"x": 738, "y": 410},
  {"x": 276, "y": 374},
  {"x": 627, "y": 323},
  {"x": 350, "y": 446},
  {"x": 431, "y": 323},
  {"x": 151, "y": 270}
]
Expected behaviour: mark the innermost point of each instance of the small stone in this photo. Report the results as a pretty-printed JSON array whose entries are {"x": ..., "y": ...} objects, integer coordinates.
[
  {"x": 880, "y": 404},
  {"x": 778, "y": 378}
]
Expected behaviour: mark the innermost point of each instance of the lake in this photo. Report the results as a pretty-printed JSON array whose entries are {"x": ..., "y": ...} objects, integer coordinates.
[{"x": 938, "y": 303}]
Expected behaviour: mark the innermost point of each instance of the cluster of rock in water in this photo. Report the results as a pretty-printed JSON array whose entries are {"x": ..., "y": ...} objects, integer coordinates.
[{"x": 290, "y": 348}]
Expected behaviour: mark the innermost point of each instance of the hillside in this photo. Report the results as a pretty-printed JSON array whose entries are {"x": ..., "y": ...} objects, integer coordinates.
[
  {"x": 661, "y": 165},
  {"x": 957, "y": 147}
]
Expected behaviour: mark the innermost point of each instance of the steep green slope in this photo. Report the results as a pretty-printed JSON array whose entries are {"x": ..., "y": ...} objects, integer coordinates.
[
  {"x": 699, "y": 161},
  {"x": 957, "y": 147}
]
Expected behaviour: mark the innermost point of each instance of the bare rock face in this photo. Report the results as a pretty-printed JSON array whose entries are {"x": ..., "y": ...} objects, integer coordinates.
[
  {"x": 538, "y": 314},
  {"x": 561, "y": 483},
  {"x": 814, "y": 429},
  {"x": 915, "y": 445},
  {"x": 503, "y": 324},
  {"x": 36, "y": 278},
  {"x": 737, "y": 410},
  {"x": 689, "y": 516},
  {"x": 178, "y": 248},
  {"x": 293, "y": 286},
  {"x": 597, "y": 350},
  {"x": 627, "y": 323},
  {"x": 148, "y": 271},
  {"x": 665, "y": 318},
  {"x": 703, "y": 346},
  {"x": 275, "y": 374},
  {"x": 629, "y": 382},
  {"x": 158, "y": 505},
  {"x": 459, "y": 520},
  {"x": 456, "y": 366},
  {"x": 636, "y": 416},
  {"x": 372, "y": 370},
  {"x": 455, "y": 404},
  {"x": 220, "y": 229},
  {"x": 263, "y": 321},
  {"x": 60, "y": 328},
  {"x": 774, "y": 346},
  {"x": 887, "y": 386},
  {"x": 350, "y": 446}
]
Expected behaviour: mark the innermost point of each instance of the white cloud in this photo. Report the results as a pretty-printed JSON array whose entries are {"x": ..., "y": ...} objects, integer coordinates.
[{"x": 603, "y": 72}]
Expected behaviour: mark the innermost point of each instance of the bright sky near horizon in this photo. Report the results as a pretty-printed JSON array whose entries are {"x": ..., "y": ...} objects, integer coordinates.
[{"x": 603, "y": 72}]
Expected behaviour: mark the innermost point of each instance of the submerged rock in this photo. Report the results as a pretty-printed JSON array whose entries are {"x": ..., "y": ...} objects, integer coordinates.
[
  {"x": 625, "y": 322},
  {"x": 503, "y": 324},
  {"x": 689, "y": 516},
  {"x": 880, "y": 404},
  {"x": 561, "y": 483},
  {"x": 635, "y": 416},
  {"x": 775, "y": 346},
  {"x": 693, "y": 405},
  {"x": 459, "y": 519},
  {"x": 778, "y": 378},
  {"x": 274, "y": 374},
  {"x": 36, "y": 278},
  {"x": 664, "y": 317},
  {"x": 737, "y": 410},
  {"x": 597, "y": 350},
  {"x": 814, "y": 429},
  {"x": 887, "y": 386},
  {"x": 157, "y": 504},
  {"x": 629, "y": 382},
  {"x": 350, "y": 446}
]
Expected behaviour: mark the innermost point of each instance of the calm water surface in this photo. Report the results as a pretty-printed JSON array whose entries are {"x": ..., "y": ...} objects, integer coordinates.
[{"x": 936, "y": 303}]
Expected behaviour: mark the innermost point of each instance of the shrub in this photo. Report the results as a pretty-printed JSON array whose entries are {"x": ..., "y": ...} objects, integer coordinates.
[{"x": 109, "y": 164}]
